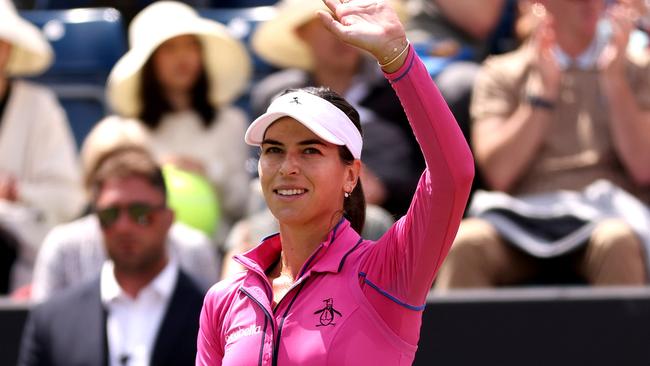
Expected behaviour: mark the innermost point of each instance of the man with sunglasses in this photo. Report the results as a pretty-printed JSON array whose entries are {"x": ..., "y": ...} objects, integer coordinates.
[
  {"x": 561, "y": 128},
  {"x": 143, "y": 309},
  {"x": 73, "y": 253}
]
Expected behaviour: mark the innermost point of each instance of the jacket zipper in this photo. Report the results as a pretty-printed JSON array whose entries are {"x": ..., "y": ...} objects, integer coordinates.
[
  {"x": 276, "y": 346},
  {"x": 300, "y": 285},
  {"x": 261, "y": 357},
  {"x": 268, "y": 317}
]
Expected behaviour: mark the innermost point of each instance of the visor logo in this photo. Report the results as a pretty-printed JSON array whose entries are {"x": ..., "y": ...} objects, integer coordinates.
[
  {"x": 327, "y": 313},
  {"x": 295, "y": 100}
]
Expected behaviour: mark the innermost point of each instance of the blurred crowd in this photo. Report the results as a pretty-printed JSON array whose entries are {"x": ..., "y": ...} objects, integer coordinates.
[{"x": 553, "y": 97}]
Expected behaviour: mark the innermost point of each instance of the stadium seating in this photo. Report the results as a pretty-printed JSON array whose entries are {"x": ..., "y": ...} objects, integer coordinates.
[
  {"x": 239, "y": 3},
  {"x": 87, "y": 43},
  {"x": 73, "y": 4},
  {"x": 241, "y": 23}
]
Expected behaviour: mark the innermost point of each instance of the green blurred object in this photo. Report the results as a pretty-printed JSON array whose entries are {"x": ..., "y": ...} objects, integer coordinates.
[{"x": 193, "y": 199}]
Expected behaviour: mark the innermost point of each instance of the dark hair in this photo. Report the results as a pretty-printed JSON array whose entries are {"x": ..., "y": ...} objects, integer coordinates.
[
  {"x": 155, "y": 103},
  {"x": 354, "y": 207},
  {"x": 125, "y": 162}
]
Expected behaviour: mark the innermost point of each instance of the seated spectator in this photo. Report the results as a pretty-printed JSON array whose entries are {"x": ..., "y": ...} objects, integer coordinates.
[
  {"x": 73, "y": 253},
  {"x": 179, "y": 79},
  {"x": 458, "y": 30},
  {"x": 39, "y": 177},
  {"x": 296, "y": 40},
  {"x": 531, "y": 13},
  {"x": 465, "y": 23},
  {"x": 142, "y": 309},
  {"x": 561, "y": 128}
]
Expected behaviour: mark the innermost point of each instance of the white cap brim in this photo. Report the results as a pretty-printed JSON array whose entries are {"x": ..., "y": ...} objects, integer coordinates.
[{"x": 318, "y": 115}]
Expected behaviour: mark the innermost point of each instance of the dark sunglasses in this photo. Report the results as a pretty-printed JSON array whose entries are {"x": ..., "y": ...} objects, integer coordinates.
[{"x": 140, "y": 213}]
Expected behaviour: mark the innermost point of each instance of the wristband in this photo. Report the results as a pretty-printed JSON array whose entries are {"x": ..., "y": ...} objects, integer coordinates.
[{"x": 539, "y": 102}]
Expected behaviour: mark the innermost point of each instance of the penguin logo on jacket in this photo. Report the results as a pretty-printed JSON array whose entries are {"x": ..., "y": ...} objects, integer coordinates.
[{"x": 327, "y": 313}]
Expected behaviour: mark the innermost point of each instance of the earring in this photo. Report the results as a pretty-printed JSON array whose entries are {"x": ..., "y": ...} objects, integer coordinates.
[{"x": 346, "y": 194}]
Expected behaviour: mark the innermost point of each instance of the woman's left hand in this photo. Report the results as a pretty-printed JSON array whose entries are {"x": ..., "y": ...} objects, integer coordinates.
[{"x": 371, "y": 25}]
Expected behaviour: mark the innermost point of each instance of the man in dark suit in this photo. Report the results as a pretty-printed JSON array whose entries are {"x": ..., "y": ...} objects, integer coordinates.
[{"x": 143, "y": 310}]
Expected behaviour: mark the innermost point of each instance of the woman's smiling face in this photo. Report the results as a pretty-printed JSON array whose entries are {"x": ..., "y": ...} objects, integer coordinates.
[{"x": 303, "y": 177}]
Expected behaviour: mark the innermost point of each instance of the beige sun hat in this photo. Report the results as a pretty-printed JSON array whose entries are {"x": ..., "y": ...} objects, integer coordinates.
[
  {"x": 111, "y": 133},
  {"x": 225, "y": 58},
  {"x": 276, "y": 42},
  {"x": 31, "y": 54}
]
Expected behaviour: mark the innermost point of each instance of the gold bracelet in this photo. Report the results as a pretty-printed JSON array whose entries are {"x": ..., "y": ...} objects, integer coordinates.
[{"x": 396, "y": 57}]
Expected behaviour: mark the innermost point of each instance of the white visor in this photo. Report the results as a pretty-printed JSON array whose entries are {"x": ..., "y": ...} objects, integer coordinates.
[{"x": 318, "y": 115}]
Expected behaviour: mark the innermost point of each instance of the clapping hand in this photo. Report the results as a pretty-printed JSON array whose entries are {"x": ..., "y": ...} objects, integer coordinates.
[
  {"x": 545, "y": 61},
  {"x": 622, "y": 18}
]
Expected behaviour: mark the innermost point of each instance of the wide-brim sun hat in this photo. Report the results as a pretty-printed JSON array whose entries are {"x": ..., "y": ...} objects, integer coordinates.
[
  {"x": 276, "y": 42},
  {"x": 31, "y": 54},
  {"x": 225, "y": 58}
]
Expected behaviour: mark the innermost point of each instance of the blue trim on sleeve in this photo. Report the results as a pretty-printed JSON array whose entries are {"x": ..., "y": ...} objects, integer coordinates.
[
  {"x": 389, "y": 296},
  {"x": 408, "y": 68}
]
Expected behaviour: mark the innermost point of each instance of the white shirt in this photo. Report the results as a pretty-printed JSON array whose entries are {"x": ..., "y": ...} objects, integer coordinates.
[
  {"x": 132, "y": 324},
  {"x": 73, "y": 253}
]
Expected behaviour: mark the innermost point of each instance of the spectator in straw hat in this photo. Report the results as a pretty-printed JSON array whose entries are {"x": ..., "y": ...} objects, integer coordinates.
[
  {"x": 179, "y": 78},
  {"x": 73, "y": 253},
  {"x": 39, "y": 176},
  {"x": 297, "y": 41}
]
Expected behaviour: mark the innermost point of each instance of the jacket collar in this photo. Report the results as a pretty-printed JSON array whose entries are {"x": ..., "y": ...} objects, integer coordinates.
[{"x": 327, "y": 257}]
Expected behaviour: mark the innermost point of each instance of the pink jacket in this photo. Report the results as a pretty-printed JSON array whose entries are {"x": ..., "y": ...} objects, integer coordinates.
[{"x": 356, "y": 302}]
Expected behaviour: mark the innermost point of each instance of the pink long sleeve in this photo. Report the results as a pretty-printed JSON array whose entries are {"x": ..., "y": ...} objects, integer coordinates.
[{"x": 399, "y": 270}]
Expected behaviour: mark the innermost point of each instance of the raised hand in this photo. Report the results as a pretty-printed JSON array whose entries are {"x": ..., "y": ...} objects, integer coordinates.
[
  {"x": 622, "y": 18},
  {"x": 371, "y": 25},
  {"x": 545, "y": 61}
]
